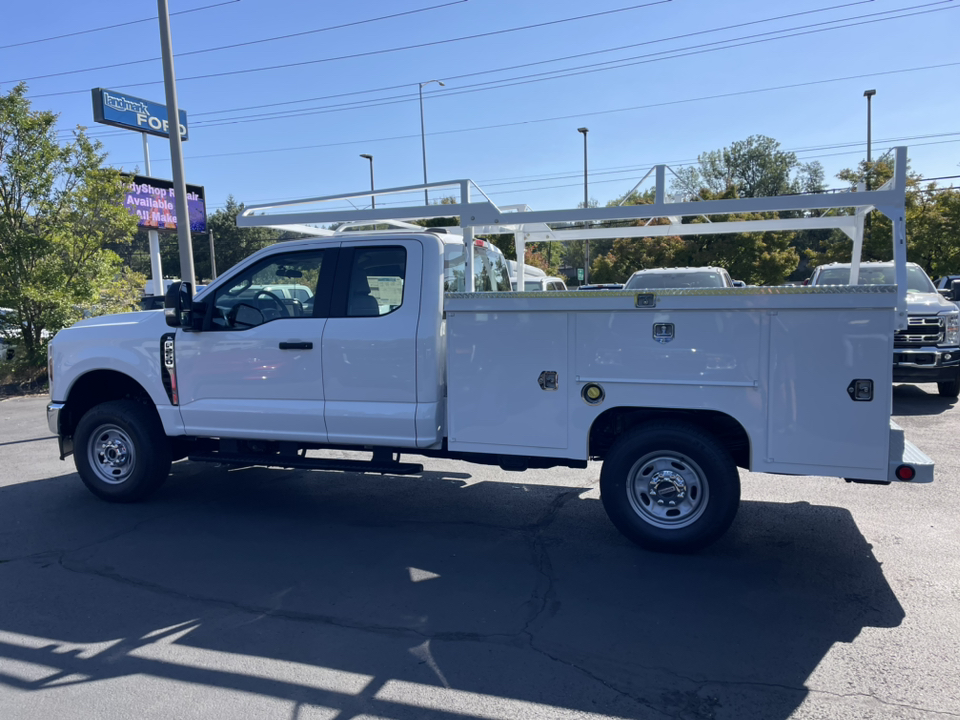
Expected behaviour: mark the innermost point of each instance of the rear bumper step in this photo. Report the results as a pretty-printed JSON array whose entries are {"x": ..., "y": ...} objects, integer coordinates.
[
  {"x": 303, "y": 463},
  {"x": 904, "y": 452}
]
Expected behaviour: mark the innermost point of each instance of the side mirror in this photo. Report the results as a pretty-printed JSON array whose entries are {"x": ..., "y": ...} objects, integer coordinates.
[
  {"x": 178, "y": 305},
  {"x": 954, "y": 290}
]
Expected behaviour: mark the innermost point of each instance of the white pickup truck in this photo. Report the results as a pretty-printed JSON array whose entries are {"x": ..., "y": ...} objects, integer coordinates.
[
  {"x": 395, "y": 352},
  {"x": 928, "y": 349}
]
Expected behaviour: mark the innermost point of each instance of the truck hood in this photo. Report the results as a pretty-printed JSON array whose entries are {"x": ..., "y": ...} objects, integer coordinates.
[
  {"x": 125, "y": 327},
  {"x": 928, "y": 304},
  {"x": 130, "y": 318}
]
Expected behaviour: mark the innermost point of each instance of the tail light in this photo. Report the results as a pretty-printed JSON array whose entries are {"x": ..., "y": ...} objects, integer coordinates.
[{"x": 906, "y": 473}]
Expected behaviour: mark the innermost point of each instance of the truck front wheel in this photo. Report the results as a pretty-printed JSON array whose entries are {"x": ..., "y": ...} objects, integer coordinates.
[
  {"x": 950, "y": 388},
  {"x": 670, "y": 487},
  {"x": 121, "y": 451}
]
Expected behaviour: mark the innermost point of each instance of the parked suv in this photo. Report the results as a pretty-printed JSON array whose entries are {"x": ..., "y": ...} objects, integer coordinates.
[
  {"x": 929, "y": 349},
  {"x": 685, "y": 277}
]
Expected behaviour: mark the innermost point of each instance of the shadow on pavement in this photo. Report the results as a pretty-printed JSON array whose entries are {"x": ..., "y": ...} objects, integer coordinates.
[
  {"x": 433, "y": 597},
  {"x": 919, "y": 400}
]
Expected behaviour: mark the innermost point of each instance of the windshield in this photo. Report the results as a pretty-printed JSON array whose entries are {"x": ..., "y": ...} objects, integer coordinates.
[
  {"x": 917, "y": 280},
  {"x": 662, "y": 280}
]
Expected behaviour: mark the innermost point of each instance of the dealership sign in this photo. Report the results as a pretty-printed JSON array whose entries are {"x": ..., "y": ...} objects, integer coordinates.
[
  {"x": 153, "y": 202},
  {"x": 133, "y": 113}
]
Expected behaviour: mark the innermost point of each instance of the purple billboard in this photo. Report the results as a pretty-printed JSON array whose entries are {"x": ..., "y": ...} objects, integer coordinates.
[{"x": 154, "y": 203}]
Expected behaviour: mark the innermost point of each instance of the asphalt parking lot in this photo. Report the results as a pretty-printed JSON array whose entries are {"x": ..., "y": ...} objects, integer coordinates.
[{"x": 471, "y": 593}]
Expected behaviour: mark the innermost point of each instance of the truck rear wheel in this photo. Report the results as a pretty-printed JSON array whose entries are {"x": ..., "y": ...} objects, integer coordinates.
[
  {"x": 670, "y": 487},
  {"x": 950, "y": 388},
  {"x": 121, "y": 451}
]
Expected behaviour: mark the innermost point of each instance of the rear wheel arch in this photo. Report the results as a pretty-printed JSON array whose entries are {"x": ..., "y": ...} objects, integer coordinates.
[{"x": 614, "y": 422}]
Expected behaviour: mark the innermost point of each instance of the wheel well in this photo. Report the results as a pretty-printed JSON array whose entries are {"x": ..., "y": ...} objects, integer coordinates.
[
  {"x": 610, "y": 424},
  {"x": 97, "y": 387}
]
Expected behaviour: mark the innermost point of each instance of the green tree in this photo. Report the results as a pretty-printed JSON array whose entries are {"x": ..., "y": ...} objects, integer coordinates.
[
  {"x": 59, "y": 209},
  {"x": 231, "y": 243},
  {"x": 755, "y": 167},
  {"x": 932, "y": 220}
]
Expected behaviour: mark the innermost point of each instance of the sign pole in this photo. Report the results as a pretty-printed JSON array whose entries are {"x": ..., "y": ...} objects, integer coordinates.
[
  {"x": 156, "y": 271},
  {"x": 213, "y": 258},
  {"x": 176, "y": 149}
]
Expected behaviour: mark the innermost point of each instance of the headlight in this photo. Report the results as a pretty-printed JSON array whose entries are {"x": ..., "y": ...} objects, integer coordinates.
[{"x": 951, "y": 333}]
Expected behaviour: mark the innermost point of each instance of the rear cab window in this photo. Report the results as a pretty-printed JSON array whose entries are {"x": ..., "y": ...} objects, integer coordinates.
[{"x": 490, "y": 272}]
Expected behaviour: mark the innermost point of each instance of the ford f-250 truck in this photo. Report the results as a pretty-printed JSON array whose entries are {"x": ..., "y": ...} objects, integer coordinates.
[
  {"x": 928, "y": 349},
  {"x": 395, "y": 351}
]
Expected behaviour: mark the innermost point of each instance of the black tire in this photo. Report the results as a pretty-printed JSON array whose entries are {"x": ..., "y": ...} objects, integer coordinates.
[
  {"x": 950, "y": 388},
  {"x": 698, "y": 483},
  {"x": 121, "y": 451}
]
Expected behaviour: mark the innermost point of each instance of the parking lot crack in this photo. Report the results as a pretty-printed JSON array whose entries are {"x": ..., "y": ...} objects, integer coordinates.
[{"x": 543, "y": 597}]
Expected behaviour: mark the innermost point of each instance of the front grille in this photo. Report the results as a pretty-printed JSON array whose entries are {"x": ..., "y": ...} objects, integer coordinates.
[{"x": 921, "y": 330}]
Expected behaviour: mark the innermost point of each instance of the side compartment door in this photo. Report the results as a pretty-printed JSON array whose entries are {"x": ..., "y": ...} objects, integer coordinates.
[
  {"x": 370, "y": 344},
  {"x": 255, "y": 371}
]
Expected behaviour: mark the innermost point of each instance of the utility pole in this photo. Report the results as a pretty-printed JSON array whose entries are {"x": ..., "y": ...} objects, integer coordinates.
[
  {"x": 586, "y": 204},
  {"x": 423, "y": 138},
  {"x": 176, "y": 147},
  {"x": 868, "y": 94},
  {"x": 373, "y": 200}
]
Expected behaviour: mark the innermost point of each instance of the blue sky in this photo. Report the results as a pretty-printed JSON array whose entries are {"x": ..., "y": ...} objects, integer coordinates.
[{"x": 659, "y": 101}]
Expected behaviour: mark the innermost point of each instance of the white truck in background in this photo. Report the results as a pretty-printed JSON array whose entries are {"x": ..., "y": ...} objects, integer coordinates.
[
  {"x": 928, "y": 349},
  {"x": 412, "y": 342}
]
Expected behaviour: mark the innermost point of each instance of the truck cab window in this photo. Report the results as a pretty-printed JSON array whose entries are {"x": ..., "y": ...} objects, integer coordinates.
[
  {"x": 376, "y": 281},
  {"x": 490, "y": 272},
  {"x": 276, "y": 288}
]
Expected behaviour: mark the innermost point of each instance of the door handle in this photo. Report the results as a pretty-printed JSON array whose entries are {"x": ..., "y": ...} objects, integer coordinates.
[{"x": 296, "y": 346}]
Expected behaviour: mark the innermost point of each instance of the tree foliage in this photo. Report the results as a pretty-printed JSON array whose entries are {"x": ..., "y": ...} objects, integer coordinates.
[
  {"x": 932, "y": 219},
  {"x": 60, "y": 207},
  {"x": 755, "y": 167}
]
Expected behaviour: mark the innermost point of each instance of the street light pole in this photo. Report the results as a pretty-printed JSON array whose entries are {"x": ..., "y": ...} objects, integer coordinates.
[
  {"x": 868, "y": 94},
  {"x": 423, "y": 138},
  {"x": 373, "y": 200},
  {"x": 586, "y": 204}
]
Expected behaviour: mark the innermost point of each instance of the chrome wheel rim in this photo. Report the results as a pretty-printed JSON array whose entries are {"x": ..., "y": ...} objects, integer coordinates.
[
  {"x": 668, "y": 490},
  {"x": 111, "y": 454}
]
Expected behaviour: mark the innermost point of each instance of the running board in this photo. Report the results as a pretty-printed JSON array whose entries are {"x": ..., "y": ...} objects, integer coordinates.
[{"x": 303, "y": 463}]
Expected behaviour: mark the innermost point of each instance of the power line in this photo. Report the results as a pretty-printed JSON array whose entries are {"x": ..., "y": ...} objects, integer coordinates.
[
  {"x": 497, "y": 182},
  {"x": 539, "y": 62},
  {"x": 248, "y": 43},
  {"x": 383, "y": 51},
  {"x": 556, "y": 118},
  {"x": 597, "y": 67},
  {"x": 111, "y": 27}
]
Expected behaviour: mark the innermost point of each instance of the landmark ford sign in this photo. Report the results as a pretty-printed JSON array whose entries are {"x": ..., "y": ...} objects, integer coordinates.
[{"x": 133, "y": 113}]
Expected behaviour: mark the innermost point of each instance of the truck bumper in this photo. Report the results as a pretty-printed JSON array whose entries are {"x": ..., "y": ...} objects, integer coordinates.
[
  {"x": 905, "y": 453},
  {"x": 927, "y": 364},
  {"x": 53, "y": 417},
  {"x": 53, "y": 422}
]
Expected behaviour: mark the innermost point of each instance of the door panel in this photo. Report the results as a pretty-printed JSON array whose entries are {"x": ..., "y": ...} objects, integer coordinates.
[
  {"x": 370, "y": 350},
  {"x": 243, "y": 385},
  {"x": 256, "y": 370}
]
